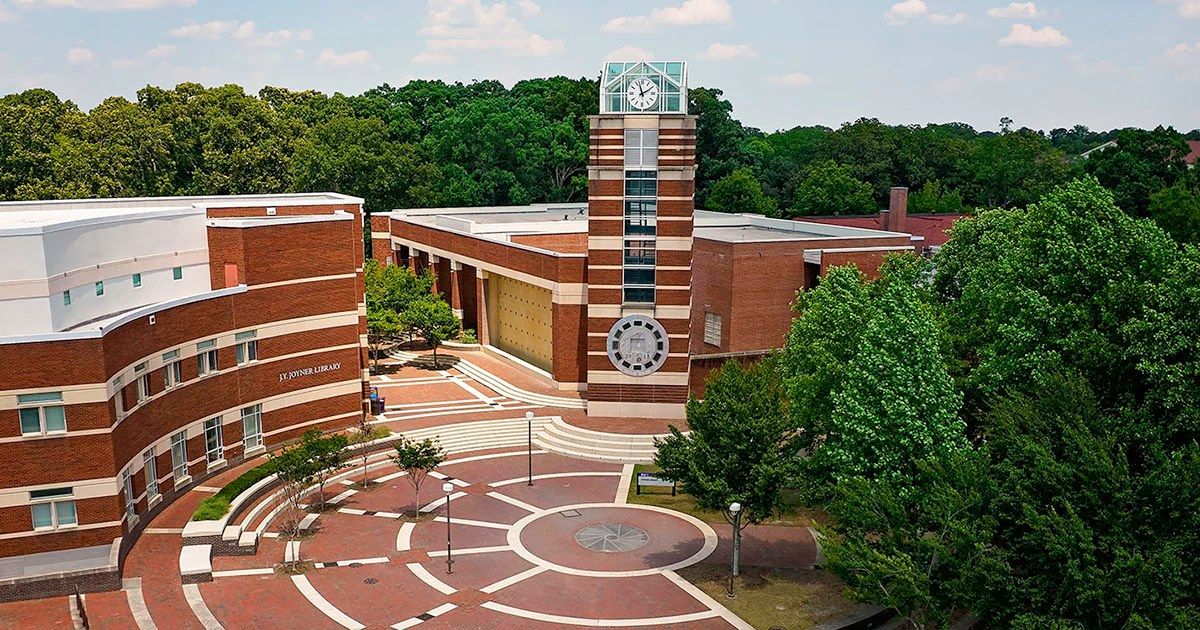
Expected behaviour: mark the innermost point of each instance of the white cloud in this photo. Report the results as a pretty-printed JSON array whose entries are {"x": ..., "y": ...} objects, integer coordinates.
[
  {"x": 474, "y": 26},
  {"x": 688, "y": 13},
  {"x": 944, "y": 19},
  {"x": 725, "y": 52},
  {"x": 126, "y": 63},
  {"x": 908, "y": 10},
  {"x": 208, "y": 30},
  {"x": 162, "y": 51},
  {"x": 795, "y": 79},
  {"x": 1026, "y": 35},
  {"x": 529, "y": 8},
  {"x": 108, "y": 5},
  {"x": 244, "y": 31},
  {"x": 334, "y": 59},
  {"x": 80, "y": 55},
  {"x": 629, "y": 52},
  {"x": 1184, "y": 60},
  {"x": 1187, "y": 8},
  {"x": 1015, "y": 10}
]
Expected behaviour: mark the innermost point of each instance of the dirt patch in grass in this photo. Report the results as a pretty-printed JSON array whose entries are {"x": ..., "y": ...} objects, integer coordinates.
[
  {"x": 789, "y": 599},
  {"x": 794, "y": 513}
]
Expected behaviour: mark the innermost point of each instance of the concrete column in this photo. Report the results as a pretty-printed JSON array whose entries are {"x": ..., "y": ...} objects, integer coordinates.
[
  {"x": 455, "y": 290},
  {"x": 481, "y": 317},
  {"x": 414, "y": 256},
  {"x": 439, "y": 283}
]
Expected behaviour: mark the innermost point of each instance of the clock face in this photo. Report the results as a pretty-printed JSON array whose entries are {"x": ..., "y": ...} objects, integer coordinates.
[
  {"x": 637, "y": 345},
  {"x": 642, "y": 93}
]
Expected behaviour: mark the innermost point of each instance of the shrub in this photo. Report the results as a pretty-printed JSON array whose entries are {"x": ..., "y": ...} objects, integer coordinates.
[{"x": 218, "y": 505}]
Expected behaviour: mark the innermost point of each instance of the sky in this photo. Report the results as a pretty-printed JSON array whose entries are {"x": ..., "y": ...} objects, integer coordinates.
[{"x": 782, "y": 63}]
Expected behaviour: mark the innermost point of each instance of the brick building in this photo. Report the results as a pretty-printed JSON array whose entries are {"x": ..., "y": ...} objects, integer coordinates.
[{"x": 148, "y": 343}]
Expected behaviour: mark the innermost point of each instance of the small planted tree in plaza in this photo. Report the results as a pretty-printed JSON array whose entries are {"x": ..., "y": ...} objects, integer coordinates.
[
  {"x": 390, "y": 290},
  {"x": 383, "y": 325},
  {"x": 434, "y": 320},
  {"x": 418, "y": 459},
  {"x": 742, "y": 447},
  {"x": 328, "y": 455},
  {"x": 295, "y": 471}
]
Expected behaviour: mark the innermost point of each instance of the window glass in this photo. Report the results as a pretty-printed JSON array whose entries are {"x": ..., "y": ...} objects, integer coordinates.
[
  {"x": 150, "y": 466},
  {"x": 252, "y": 427},
  {"x": 179, "y": 455},
  {"x": 137, "y": 280},
  {"x": 100, "y": 288},
  {"x": 712, "y": 329},
  {"x": 212, "y": 440},
  {"x": 25, "y": 399},
  {"x": 66, "y": 298},
  {"x": 177, "y": 273},
  {"x": 65, "y": 511},
  {"x": 639, "y": 276},
  {"x": 31, "y": 421},
  {"x": 56, "y": 418},
  {"x": 42, "y": 515},
  {"x": 639, "y": 295}
]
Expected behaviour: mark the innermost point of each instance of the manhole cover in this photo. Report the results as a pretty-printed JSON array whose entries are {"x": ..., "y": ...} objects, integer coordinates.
[
  {"x": 355, "y": 565},
  {"x": 612, "y": 537},
  {"x": 371, "y": 581},
  {"x": 570, "y": 513}
]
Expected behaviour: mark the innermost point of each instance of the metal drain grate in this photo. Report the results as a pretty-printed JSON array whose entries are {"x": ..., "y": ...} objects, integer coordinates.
[
  {"x": 371, "y": 581},
  {"x": 355, "y": 565}
]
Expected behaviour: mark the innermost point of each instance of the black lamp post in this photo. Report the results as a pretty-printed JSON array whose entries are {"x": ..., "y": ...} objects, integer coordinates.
[
  {"x": 734, "y": 516},
  {"x": 529, "y": 426},
  {"x": 448, "y": 488}
]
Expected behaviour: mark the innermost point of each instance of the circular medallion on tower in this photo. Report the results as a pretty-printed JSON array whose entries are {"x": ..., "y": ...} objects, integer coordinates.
[{"x": 637, "y": 345}]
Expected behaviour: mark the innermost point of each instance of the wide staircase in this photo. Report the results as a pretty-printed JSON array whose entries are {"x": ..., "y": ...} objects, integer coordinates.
[
  {"x": 499, "y": 385},
  {"x": 474, "y": 436},
  {"x": 565, "y": 439}
]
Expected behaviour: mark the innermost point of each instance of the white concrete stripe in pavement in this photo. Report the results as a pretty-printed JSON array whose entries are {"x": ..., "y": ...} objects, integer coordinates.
[
  {"x": 425, "y": 576},
  {"x": 513, "y": 579},
  {"x": 711, "y": 603},
  {"x": 509, "y": 482},
  {"x": 323, "y": 605},
  {"x": 603, "y": 623},
  {"x": 137, "y": 603},
  {"x": 442, "y": 501},
  {"x": 511, "y": 501},
  {"x": 471, "y": 551},
  {"x": 243, "y": 572},
  {"x": 404, "y": 537},
  {"x": 476, "y": 458},
  {"x": 458, "y": 482},
  {"x": 467, "y": 521},
  {"x": 623, "y": 487},
  {"x": 416, "y": 621},
  {"x": 191, "y": 593}
]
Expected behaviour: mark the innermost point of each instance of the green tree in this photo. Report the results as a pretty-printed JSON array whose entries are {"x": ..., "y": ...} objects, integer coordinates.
[
  {"x": 434, "y": 320},
  {"x": 914, "y": 545},
  {"x": 383, "y": 325},
  {"x": 741, "y": 446},
  {"x": 935, "y": 198},
  {"x": 719, "y": 138},
  {"x": 828, "y": 188},
  {"x": 295, "y": 470},
  {"x": 1177, "y": 210},
  {"x": 417, "y": 460},
  {"x": 116, "y": 150},
  {"x": 1143, "y": 163},
  {"x": 740, "y": 192},
  {"x": 327, "y": 453},
  {"x": 30, "y": 123},
  {"x": 1015, "y": 169}
]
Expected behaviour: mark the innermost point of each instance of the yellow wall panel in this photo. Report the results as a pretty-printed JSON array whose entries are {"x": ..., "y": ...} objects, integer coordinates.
[{"x": 521, "y": 320}]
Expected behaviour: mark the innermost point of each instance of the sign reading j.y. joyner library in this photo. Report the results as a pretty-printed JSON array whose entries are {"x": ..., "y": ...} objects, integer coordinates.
[{"x": 309, "y": 371}]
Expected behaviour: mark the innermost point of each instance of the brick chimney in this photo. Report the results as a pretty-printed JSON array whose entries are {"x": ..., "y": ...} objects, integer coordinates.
[{"x": 895, "y": 218}]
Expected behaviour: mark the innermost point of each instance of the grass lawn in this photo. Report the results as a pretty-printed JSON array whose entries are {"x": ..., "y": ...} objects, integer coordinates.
[
  {"x": 794, "y": 515},
  {"x": 774, "y": 598}
]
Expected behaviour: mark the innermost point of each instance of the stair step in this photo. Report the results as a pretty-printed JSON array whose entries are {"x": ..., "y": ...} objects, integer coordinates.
[{"x": 615, "y": 450}]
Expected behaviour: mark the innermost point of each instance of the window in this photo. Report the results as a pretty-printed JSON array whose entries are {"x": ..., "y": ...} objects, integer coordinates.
[
  {"x": 53, "y": 508},
  {"x": 179, "y": 464},
  {"x": 67, "y": 297},
  {"x": 639, "y": 253},
  {"x": 214, "y": 446},
  {"x": 641, "y": 183},
  {"x": 639, "y": 275},
  {"x": 641, "y": 148},
  {"x": 143, "y": 387},
  {"x": 639, "y": 295},
  {"x": 100, "y": 288},
  {"x": 150, "y": 466},
  {"x": 177, "y": 273},
  {"x": 641, "y": 218},
  {"x": 137, "y": 280},
  {"x": 252, "y": 427},
  {"x": 130, "y": 500},
  {"x": 712, "y": 329},
  {"x": 119, "y": 397},
  {"x": 247, "y": 347},
  {"x": 206, "y": 361},
  {"x": 172, "y": 370},
  {"x": 40, "y": 418}
]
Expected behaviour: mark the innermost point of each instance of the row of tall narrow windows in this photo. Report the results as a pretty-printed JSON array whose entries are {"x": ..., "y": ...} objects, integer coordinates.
[
  {"x": 176, "y": 274},
  {"x": 640, "y": 216}
]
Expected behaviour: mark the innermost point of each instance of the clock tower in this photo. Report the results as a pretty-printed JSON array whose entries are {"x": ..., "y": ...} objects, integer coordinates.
[{"x": 641, "y": 200}]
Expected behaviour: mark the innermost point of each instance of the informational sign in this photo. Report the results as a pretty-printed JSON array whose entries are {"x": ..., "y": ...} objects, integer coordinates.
[
  {"x": 649, "y": 480},
  {"x": 309, "y": 371}
]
